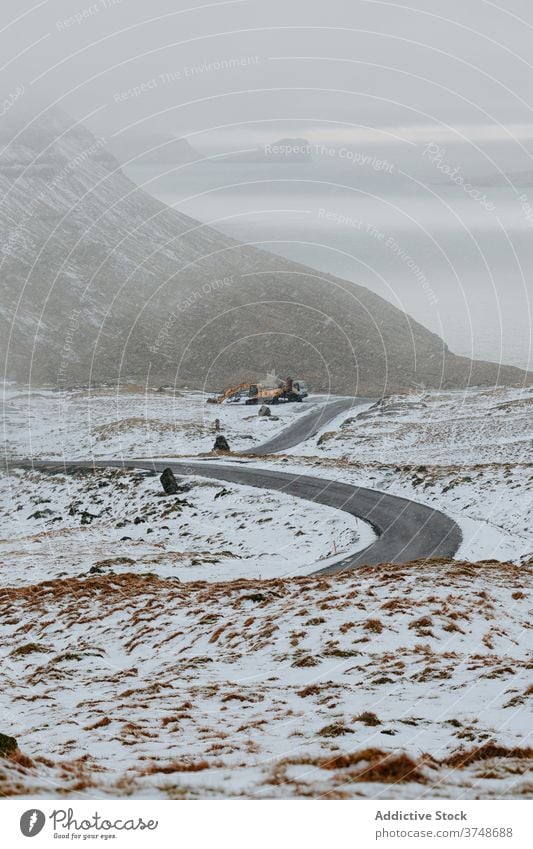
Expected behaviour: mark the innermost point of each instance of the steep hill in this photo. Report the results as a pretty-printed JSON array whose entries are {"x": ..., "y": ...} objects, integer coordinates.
[{"x": 99, "y": 282}]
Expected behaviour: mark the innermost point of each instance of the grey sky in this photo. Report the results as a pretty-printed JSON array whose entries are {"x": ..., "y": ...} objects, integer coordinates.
[{"x": 251, "y": 70}]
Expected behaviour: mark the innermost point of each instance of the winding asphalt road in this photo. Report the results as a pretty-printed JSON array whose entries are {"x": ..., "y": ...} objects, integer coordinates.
[
  {"x": 307, "y": 425},
  {"x": 406, "y": 529}
]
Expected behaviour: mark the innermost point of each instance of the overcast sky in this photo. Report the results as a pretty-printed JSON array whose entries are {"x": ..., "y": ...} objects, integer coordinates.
[{"x": 245, "y": 71}]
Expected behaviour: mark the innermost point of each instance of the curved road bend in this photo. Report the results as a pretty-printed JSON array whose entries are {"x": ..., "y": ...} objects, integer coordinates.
[
  {"x": 307, "y": 425},
  {"x": 406, "y": 530}
]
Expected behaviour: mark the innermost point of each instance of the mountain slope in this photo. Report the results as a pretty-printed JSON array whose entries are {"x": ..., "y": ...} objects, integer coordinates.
[{"x": 100, "y": 281}]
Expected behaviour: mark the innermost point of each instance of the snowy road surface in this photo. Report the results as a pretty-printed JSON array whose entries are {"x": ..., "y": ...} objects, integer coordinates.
[
  {"x": 406, "y": 530},
  {"x": 307, "y": 426}
]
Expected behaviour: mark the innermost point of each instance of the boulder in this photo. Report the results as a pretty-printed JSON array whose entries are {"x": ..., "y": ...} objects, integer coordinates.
[
  {"x": 221, "y": 444},
  {"x": 8, "y": 745},
  {"x": 41, "y": 514},
  {"x": 87, "y": 518},
  {"x": 264, "y": 410},
  {"x": 169, "y": 482}
]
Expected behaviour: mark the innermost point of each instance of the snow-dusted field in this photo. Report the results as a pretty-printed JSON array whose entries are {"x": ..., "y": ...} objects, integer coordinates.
[
  {"x": 389, "y": 682},
  {"x": 469, "y": 455},
  {"x": 246, "y": 676},
  {"x": 484, "y": 426},
  {"x": 132, "y": 423},
  {"x": 114, "y": 521}
]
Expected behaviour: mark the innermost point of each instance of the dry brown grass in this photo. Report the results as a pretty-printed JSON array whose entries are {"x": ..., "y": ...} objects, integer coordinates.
[
  {"x": 19, "y": 758},
  {"x": 244, "y": 590},
  {"x": 307, "y": 661},
  {"x": 336, "y": 729},
  {"x": 102, "y": 723},
  {"x": 366, "y": 765},
  {"x": 175, "y": 766},
  {"x": 241, "y": 697},
  {"x": 258, "y": 604},
  {"x": 460, "y": 760},
  {"x": 105, "y": 431},
  {"x": 311, "y": 690},
  {"x": 423, "y": 622},
  {"x": 216, "y": 634},
  {"x": 375, "y": 626},
  {"x": 391, "y": 769},
  {"x": 367, "y": 718}
]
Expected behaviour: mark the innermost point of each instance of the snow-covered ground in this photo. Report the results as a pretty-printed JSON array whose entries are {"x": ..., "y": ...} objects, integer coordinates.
[
  {"x": 404, "y": 682},
  {"x": 389, "y": 682},
  {"x": 114, "y": 521},
  {"x": 132, "y": 422},
  {"x": 484, "y": 426},
  {"x": 468, "y": 454}
]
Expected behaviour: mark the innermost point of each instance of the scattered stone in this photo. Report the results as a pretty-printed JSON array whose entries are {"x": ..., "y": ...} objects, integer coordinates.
[
  {"x": 256, "y": 597},
  {"x": 264, "y": 410},
  {"x": 169, "y": 482},
  {"x": 221, "y": 444},
  {"x": 41, "y": 514},
  {"x": 221, "y": 493},
  {"x": 8, "y": 745},
  {"x": 87, "y": 518}
]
